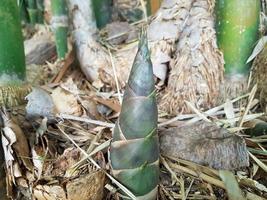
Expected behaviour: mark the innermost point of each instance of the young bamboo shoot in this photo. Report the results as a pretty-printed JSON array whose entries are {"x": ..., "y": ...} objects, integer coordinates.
[{"x": 134, "y": 152}]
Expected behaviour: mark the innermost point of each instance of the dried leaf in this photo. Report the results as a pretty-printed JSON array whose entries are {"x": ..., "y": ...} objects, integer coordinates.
[
  {"x": 229, "y": 111},
  {"x": 206, "y": 144},
  {"x": 39, "y": 49},
  {"x": 18, "y": 142},
  {"x": 94, "y": 187},
  {"x": 49, "y": 192},
  {"x": 70, "y": 86},
  {"x": 8, "y": 139},
  {"x": 66, "y": 102},
  {"x": 258, "y": 48},
  {"x": 40, "y": 104},
  {"x": 111, "y": 103},
  {"x": 259, "y": 162},
  {"x": 37, "y": 162},
  {"x": 118, "y": 32},
  {"x": 65, "y": 161},
  {"x": 84, "y": 187}
]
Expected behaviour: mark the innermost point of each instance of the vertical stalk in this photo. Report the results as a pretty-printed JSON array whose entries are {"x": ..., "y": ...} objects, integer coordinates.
[
  {"x": 32, "y": 10},
  {"x": 40, "y": 9},
  {"x": 60, "y": 26},
  {"x": 23, "y": 11},
  {"x": 148, "y": 7},
  {"x": 12, "y": 58},
  {"x": 103, "y": 12},
  {"x": 237, "y": 32}
]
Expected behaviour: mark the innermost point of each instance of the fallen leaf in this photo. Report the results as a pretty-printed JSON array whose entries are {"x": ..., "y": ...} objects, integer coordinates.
[
  {"x": 118, "y": 32},
  {"x": 66, "y": 102},
  {"x": 16, "y": 145},
  {"x": 49, "y": 192},
  {"x": 258, "y": 48},
  {"x": 94, "y": 183},
  {"x": 37, "y": 162},
  {"x": 206, "y": 144},
  {"x": 111, "y": 103},
  {"x": 40, "y": 104}
]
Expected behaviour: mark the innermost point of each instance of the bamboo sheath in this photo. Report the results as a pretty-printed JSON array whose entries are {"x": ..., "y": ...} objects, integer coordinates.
[{"x": 134, "y": 152}]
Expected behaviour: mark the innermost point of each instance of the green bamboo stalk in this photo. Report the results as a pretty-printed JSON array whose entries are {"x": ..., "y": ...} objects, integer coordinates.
[
  {"x": 40, "y": 10},
  {"x": 103, "y": 12},
  {"x": 60, "y": 26},
  {"x": 23, "y": 11},
  {"x": 12, "y": 58},
  {"x": 134, "y": 152},
  {"x": 148, "y": 7},
  {"x": 32, "y": 10},
  {"x": 12, "y": 61},
  {"x": 237, "y": 26}
]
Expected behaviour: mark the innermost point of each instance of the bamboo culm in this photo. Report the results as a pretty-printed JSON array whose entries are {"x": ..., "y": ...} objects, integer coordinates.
[
  {"x": 40, "y": 10},
  {"x": 103, "y": 12},
  {"x": 33, "y": 11},
  {"x": 59, "y": 24},
  {"x": 237, "y": 24},
  {"x": 12, "y": 58},
  {"x": 23, "y": 11}
]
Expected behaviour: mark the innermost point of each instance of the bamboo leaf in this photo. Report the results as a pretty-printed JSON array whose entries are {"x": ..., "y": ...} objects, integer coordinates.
[
  {"x": 258, "y": 48},
  {"x": 232, "y": 187}
]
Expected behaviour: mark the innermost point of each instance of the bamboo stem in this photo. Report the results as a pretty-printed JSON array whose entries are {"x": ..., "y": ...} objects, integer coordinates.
[
  {"x": 60, "y": 26},
  {"x": 12, "y": 58},
  {"x": 32, "y": 10},
  {"x": 103, "y": 12},
  {"x": 23, "y": 11},
  {"x": 237, "y": 32},
  {"x": 40, "y": 9}
]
